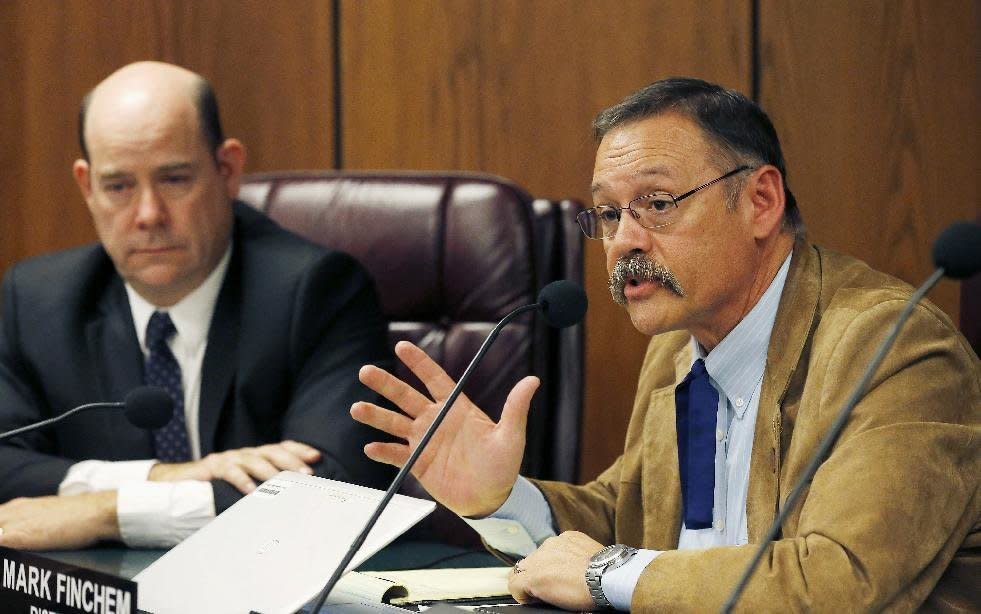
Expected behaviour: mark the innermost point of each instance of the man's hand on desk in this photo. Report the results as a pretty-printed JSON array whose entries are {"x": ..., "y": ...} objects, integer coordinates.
[
  {"x": 556, "y": 572},
  {"x": 241, "y": 467},
  {"x": 59, "y": 523}
]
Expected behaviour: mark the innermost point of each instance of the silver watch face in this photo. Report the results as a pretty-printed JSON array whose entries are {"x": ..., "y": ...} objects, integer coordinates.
[{"x": 606, "y": 556}]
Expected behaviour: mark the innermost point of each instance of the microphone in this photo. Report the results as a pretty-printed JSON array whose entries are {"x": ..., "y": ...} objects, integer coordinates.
[
  {"x": 562, "y": 304},
  {"x": 958, "y": 250},
  {"x": 146, "y": 407},
  {"x": 956, "y": 254}
]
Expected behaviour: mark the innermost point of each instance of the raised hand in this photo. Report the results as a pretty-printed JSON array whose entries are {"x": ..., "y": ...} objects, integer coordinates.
[{"x": 471, "y": 462}]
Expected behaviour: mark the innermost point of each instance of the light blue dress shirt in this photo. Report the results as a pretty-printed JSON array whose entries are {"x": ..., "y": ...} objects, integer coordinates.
[{"x": 735, "y": 369}]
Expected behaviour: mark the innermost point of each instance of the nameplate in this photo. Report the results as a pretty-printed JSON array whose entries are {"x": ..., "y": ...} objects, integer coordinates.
[{"x": 33, "y": 584}]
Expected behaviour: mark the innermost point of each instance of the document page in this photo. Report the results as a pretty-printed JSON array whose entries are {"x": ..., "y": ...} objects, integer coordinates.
[
  {"x": 274, "y": 549},
  {"x": 447, "y": 584}
]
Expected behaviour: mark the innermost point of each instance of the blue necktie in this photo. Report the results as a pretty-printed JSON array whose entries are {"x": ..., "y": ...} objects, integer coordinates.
[
  {"x": 170, "y": 442},
  {"x": 697, "y": 403}
]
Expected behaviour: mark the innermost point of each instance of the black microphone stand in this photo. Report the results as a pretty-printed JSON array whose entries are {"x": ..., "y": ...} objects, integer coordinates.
[
  {"x": 404, "y": 471},
  {"x": 829, "y": 440},
  {"x": 43, "y": 423}
]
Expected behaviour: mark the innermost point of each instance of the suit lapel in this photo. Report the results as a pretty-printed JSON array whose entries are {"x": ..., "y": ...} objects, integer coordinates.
[
  {"x": 796, "y": 319},
  {"x": 662, "y": 488},
  {"x": 221, "y": 355},
  {"x": 116, "y": 353}
]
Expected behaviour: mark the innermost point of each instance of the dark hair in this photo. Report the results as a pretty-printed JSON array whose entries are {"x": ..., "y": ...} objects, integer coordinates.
[
  {"x": 208, "y": 118},
  {"x": 738, "y": 126}
]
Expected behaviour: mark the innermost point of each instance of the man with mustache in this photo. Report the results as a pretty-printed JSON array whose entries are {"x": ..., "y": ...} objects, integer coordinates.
[
  {"x": 255, "y": 333},
  {"x": 758, "y": 337}
]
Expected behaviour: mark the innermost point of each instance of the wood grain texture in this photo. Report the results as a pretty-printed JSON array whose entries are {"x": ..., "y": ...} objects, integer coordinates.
[
  {"x": 876, "y": 103},
  {"x": 877, "y": 107},
  {"x": 510, "y": 87},
  {"x": 271, "y": 69}
]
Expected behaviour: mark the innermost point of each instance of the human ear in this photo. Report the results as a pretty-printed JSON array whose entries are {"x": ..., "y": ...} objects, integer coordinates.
[
  {"x": 82, "y": 173},
  {"x": 231, "y": 164},
  {"x": 766, "y": 193}
]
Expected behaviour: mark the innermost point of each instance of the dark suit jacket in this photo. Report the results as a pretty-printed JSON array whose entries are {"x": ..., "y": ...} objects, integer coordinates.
[{"x": 292, "y": 326}]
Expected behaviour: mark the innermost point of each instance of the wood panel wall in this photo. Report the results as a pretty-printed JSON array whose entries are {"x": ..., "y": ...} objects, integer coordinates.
[
  {"x": 879, "y": 123},
  {"x": 510, "y": 87},
  {"x": 876, "y": 103},
  {"x": 272, "y": 70}
]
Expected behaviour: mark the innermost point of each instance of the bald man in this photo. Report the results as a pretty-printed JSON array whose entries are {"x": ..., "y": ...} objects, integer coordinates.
[{"x": 255, "y": 333}]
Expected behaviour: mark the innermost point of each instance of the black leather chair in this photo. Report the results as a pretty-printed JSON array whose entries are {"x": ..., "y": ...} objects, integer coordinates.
[{"x": 451, "y": 254}]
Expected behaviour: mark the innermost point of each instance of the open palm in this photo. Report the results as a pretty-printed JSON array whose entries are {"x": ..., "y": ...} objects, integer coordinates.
[{"x": 471, "y": 462}]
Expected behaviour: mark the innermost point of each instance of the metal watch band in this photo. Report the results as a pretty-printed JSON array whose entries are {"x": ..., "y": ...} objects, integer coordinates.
[{"x": 608, "y": 558}]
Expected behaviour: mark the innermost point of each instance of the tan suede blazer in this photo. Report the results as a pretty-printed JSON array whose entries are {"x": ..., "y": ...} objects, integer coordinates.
[{"x": 891, "y": 519}]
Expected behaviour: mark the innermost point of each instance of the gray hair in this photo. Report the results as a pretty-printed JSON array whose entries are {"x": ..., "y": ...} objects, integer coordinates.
[{"x": 737, "y": 127}]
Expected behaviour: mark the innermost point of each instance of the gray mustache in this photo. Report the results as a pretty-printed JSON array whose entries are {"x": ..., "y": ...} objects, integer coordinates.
[{"x": 640, "y": 267}]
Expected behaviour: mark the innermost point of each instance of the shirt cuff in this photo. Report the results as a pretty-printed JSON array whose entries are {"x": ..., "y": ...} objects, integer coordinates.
[
  {"x": 518, "y": 526},
  {"x": 619, "y": 583},
  {"x": 161, "y": 514},
  {"x": 95, "y": 475}
]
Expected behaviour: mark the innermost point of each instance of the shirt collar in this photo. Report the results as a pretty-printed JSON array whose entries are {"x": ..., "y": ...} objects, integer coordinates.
[
  {"x": 736, "y": 365},
  {"x": 191, "y": 316}
]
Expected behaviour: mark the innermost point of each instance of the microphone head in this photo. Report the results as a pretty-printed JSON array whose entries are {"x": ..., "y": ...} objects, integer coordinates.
[
  {"x": 148, "y": 407},
  {"x": 562, "y": 303},
  {"x": 958, "y": 250}
]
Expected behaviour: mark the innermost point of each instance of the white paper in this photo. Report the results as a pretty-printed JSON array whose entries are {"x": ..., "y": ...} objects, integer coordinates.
[{"x": 274, "y": 549}]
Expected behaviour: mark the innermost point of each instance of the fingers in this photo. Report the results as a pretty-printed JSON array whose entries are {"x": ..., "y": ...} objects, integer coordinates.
[
  {"x": 433, "y": 377},
  {"x": 306, "y": 453},
  {"x": 225, "y": 466},
  {"x": 389, "y": 453},
  {"x": 239, "y": 467},
  {"x": 407, "y": 398},
  {"x": 257, "y": 465},
  {"x": 280, "y": 457},
  {"x": 514, "y": 416},
  {"x": 382, "y": 419},
  {"x": 242, "y": 467},
  {"x": 519, "y": 585}
]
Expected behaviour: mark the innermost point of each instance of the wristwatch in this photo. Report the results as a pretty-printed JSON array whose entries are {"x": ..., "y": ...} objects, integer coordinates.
[{"x": 606, "y": 559}]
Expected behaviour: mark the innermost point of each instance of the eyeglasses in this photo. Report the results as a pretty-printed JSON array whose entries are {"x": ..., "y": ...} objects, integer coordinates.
[{"x": 652, "y": 211}]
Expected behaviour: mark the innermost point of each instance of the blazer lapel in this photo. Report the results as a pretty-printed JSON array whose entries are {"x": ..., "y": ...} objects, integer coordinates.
[
  {"x": 796, "y": 319},
  {"x": 221, "y": 355},
  {"x": 116, "y": 353},
  {"x": 662, "y": 488}
]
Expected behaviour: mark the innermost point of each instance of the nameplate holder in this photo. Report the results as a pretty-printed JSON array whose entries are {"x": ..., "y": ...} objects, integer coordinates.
[{"x": 32, "y": 584}]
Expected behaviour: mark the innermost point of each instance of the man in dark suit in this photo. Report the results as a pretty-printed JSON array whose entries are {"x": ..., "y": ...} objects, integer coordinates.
[{"x": 255, "y": 333}]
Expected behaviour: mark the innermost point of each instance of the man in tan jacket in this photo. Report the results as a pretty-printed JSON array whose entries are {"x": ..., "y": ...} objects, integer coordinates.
[{"x": 758, "y": 338}]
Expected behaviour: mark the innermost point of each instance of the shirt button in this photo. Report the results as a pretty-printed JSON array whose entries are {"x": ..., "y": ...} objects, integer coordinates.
[
  {"x": 719, "y": 525},
  {"x": 512, "y": 530},
  {"x": 739, "y": 402},
  {"x": 719, "y": 435}
]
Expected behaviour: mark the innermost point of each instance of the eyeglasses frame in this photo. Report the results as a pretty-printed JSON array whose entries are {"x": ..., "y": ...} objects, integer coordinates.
[{"x": 636, "y": 215}]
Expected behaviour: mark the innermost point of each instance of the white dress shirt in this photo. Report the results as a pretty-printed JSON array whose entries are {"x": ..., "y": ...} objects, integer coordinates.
[
  {"x": 735, "y": 369},
  {"x": 161, "y": 514}
]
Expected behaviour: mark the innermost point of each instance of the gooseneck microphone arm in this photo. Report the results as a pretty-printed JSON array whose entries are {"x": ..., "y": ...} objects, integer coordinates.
[
  {"x": 829, "y": 440},
  {"x": 59, "y": 418},
  {"x": 407, "y": 467},
  {"x": 956, "y": 254},
  {"x": 146, "y": 407}
]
